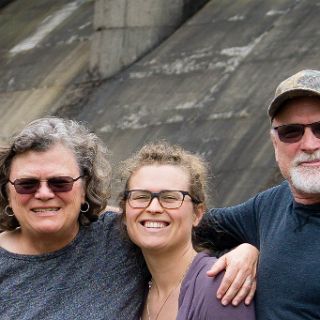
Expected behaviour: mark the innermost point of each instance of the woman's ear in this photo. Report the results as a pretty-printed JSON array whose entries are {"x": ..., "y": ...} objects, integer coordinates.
[{"x": 199, "y": 211}]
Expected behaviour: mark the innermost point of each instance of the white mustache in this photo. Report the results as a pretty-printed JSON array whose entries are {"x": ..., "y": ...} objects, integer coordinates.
[{"x": 305, "y": 157}]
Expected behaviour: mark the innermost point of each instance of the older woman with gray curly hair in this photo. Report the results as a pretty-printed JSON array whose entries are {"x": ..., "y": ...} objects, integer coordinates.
[{"x": 56, "y": 261}]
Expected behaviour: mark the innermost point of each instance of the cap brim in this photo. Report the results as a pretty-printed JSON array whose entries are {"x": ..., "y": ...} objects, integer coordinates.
[{"x": 277, "y": 102}]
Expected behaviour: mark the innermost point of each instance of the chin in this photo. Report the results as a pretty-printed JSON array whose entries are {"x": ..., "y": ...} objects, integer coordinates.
[
  {"x": 151, "y": 246},
  {"x": 306, "y": 180},
  {"x": 48, "y": 228}
]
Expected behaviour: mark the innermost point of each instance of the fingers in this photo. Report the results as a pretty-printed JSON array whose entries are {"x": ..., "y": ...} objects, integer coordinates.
[
  {"x": 219, "y": 266},
  {"x": 239, "y": 281},
  {"x": 238, "y": 285},
  {"x": 252, "y": 291},
  {"x": 246, "y": 291},
  {"x": 231, "y": 281}
]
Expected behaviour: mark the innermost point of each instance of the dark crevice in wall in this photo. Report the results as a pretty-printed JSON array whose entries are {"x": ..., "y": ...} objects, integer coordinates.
[
  {"x": 190, "y": 7},
  {"x": 3, "y": 3}
]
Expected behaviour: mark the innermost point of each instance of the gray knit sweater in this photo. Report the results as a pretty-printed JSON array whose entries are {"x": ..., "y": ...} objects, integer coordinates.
[{"x": 97, "y": 276}]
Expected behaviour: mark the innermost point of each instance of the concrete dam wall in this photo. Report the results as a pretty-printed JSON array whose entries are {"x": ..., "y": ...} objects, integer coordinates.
[{"x": 204, "y": 85}]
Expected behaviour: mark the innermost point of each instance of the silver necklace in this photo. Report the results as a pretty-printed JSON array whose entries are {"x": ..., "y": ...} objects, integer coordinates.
[
  {"x": 168, "y": 296},
  {"x": 165, "y": 300}
]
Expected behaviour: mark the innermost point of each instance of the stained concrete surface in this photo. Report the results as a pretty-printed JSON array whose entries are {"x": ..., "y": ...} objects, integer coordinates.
[
  {"x": 44, "y": 50},
  {"x": 126, "y": 30},
  {"x": 206, "y": 87}
]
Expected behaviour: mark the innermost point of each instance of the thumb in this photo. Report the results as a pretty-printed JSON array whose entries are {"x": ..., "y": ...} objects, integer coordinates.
[{"x": 219, "y": 266}]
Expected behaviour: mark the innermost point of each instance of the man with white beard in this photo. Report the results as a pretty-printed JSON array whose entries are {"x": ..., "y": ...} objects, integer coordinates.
[
  {"x": 284, "y": 222},
  {"x": 304, "y": 178}
]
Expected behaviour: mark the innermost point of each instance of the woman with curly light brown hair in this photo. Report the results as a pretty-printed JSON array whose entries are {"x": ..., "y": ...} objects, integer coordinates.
[{"x": 164, "y": 198}]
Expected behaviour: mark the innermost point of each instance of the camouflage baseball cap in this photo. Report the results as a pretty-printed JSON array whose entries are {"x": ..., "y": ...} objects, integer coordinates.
[{"x": 302, "y": 84}]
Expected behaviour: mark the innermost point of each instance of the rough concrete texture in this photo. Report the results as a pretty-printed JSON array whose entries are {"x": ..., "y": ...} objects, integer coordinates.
[
  {"x": 125, "y": 30},
  {"x": 44, "y": 49},
  {"x": 138, "y": 13},
  {"x": 206, "y": 87}
]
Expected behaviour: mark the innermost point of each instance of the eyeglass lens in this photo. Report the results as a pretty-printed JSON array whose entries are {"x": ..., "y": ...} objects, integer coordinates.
[
  {"x": 140, "y": 199},
  {"x": 292, "y": 133},
  {"x": 56, "y": 184}
]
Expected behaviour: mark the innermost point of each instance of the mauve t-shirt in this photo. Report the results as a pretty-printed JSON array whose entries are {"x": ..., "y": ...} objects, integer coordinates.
[{"x": 197, "y": 300}]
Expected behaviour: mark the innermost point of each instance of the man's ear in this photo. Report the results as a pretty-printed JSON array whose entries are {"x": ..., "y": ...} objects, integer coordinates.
[{"x": 199, "y": 211}]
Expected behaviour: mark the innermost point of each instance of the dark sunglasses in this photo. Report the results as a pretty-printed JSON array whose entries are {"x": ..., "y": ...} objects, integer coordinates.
[
  {"x": 56, "y": 184},
  {"x": 291, "y": 133}
]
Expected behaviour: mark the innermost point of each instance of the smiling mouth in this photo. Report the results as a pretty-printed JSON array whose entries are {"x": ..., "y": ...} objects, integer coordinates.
[
  {"x": 45, "y": 211},
  {"x": 155, "y": 224}
]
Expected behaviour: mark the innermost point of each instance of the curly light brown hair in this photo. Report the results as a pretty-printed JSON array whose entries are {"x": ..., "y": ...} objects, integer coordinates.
[{"x": 163, "y": 153}]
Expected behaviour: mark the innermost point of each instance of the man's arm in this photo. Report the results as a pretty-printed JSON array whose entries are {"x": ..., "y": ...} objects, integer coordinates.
[
  {"x": 210, "y": 235},
  {"x": 223, "y": 229}
]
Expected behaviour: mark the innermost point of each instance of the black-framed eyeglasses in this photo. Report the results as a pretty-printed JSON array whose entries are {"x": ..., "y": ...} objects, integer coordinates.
[
  {"x": 291, "y": 133},
  {"x": 56, "y": 184},
  {"x": 168, "y": 199}
]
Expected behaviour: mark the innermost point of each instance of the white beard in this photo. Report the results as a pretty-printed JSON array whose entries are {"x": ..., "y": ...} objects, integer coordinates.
[{"x": 305, "y": 179}]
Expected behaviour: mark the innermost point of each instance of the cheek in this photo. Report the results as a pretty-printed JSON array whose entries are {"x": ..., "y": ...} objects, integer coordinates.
[
  {"x": 77, "y": 195},
  {"x": 74, "y": 199},
  {"x": 184, "y": 221},
  {"x": 130, "y": 217},
  {"x": 18, "y": 200},
  {"x": 284, "y": 152},
  {"x": 286, "y": 155}
]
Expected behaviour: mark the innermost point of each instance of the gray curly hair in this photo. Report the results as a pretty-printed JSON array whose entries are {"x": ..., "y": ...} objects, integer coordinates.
[{"x": 91, "y": 155}]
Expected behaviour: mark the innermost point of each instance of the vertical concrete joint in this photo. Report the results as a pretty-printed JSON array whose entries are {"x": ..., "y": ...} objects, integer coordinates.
[{"x": 125, "y": 30}]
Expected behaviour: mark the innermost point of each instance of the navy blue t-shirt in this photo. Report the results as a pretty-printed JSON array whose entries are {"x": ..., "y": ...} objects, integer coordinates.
[{"x": 288, "y": 237}]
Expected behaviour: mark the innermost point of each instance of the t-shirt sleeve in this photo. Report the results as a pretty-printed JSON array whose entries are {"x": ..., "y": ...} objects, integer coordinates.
[
  {"x": 198, "y": 297},
  {"x": 227, "y": 227}
]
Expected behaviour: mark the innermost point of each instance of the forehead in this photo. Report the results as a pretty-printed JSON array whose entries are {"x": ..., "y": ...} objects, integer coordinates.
[
  {"x": 301, "y": 110},
  {"x": 58, "y": 159},
  {"x": 160, "y": 177}
]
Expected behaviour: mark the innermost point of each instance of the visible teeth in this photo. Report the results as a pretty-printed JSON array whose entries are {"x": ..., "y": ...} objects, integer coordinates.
[
  {"x": 155, "y": 224},
  {"x": 45, "y": 209}
]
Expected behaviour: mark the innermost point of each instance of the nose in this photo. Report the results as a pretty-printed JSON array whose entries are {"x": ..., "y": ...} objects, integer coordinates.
[
  {"x": 155, "y": 206},
  {"x": 44, "y": 192},
  {"x": 309, "y": 142}
]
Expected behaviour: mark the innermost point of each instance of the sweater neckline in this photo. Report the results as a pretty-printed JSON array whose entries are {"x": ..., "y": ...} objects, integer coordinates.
[{"x": 44, "y": 256}]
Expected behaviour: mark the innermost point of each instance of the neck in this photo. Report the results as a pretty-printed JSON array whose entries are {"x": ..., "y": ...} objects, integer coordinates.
[
  {"x": 20, "y": 242},
  {"x": 169, "y": 268},
  {"x": 305, "y": 198}
]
